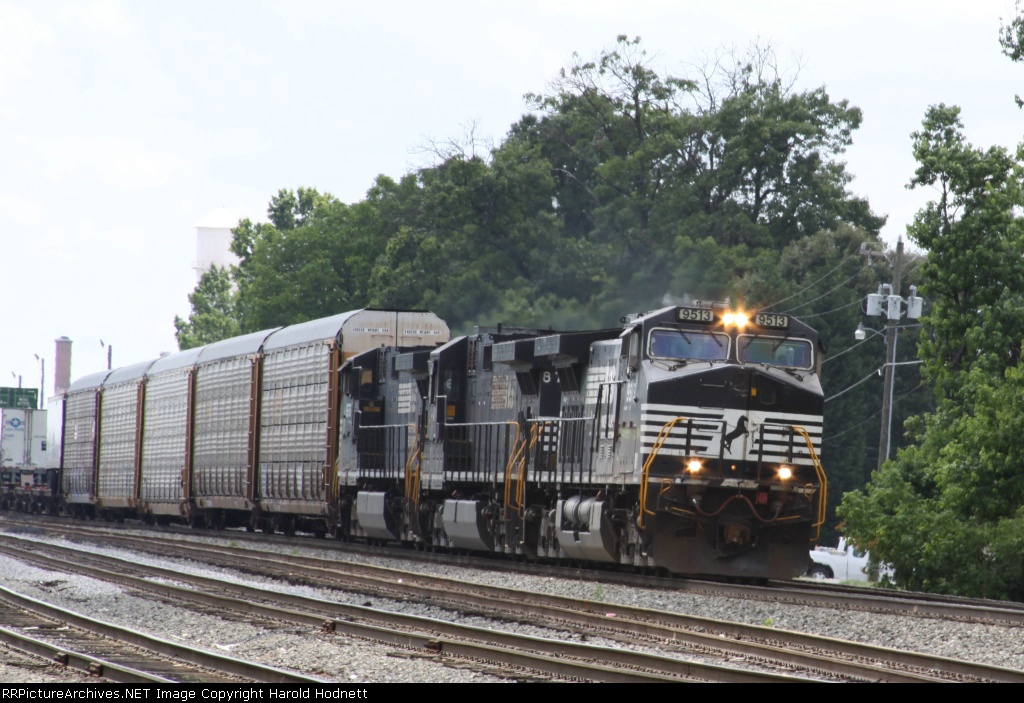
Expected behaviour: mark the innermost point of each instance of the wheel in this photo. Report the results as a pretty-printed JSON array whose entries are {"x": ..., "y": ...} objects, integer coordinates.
[{"x": 819, "y": 572}]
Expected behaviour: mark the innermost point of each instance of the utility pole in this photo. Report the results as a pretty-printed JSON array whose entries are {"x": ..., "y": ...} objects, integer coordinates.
[{"x": 893, "y": 320}]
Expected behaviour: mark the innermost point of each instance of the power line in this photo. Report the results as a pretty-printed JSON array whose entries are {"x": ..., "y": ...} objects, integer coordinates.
[
  {"x": 810, "y": 286},
  {"x": 829, "y": 312},
  {"x": 855, "y": 274},
  {"x": 850, "y": 388},
  {"x": 839, "y": 354},
  {"x": 863, "y": 341},
  {"x": 918, "y": 387}
]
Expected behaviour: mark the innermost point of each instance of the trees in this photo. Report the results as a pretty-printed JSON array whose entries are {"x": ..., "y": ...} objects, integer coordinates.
[
  {"x": 946, "y": 512},
  {"x": 667, "y": 178},
  {"x": 312, "y": 259},
  {"x": 1011, "y": 38},
  {"x": 213, "y": 316}
]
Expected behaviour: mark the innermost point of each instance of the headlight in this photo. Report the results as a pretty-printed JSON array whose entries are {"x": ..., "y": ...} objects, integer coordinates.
[
  {"x": 785, "y": 473},
  {"x": 693, "y": 466},
  {"x": 735, "y": 318}
]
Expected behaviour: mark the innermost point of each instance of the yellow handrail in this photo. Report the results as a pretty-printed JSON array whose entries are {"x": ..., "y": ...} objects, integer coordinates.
[
  {"x": 666, "y": 430},
  {"x": 518, "y": 448},
  {"x": 413, "y": 464},
  {"x": 822, "y": 481}
]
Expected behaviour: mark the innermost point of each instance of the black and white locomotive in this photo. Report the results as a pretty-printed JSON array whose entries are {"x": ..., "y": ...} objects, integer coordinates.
[{"x": 686, "y": 439}]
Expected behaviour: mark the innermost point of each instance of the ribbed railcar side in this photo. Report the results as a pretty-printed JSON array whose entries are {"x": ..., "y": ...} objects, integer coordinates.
[
  {"x": 119, "y": 439},
  {"x": 225, "y": 426},
  {"x": 166, "y": 435},
  {"x": 221, "y": 429},
  {"x": 81, "y": 425},
  {"x": 293, "y": 428}
]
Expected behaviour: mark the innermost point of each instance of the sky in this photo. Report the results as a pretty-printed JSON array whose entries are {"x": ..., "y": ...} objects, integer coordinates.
[{"x": 124, "y": 124}]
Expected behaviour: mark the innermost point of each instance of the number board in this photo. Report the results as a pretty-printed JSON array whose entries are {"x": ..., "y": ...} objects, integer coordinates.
[
  {"x": 696, "y": 315},
  {"x": 767, "y": 319}
]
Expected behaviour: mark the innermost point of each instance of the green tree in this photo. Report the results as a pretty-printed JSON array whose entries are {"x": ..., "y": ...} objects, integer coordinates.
[
  {"x": 312, "y": 260},
  {"x": 663, "y": 181},
  {"x": 213, "y": 315},
  {"x": 1011, "y": 38},
  {"x": 946, "y": 512},
  {"x": 474, "y": 232}
]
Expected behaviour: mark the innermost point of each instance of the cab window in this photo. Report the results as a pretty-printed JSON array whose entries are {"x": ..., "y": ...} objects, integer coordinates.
[
  {"x": 775, "y": 351},
  {"x": 688, "y": 345}
]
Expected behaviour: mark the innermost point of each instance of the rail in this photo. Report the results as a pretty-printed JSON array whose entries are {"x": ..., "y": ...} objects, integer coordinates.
[
  {"x": 822, "y": 481},
  {"x": 645, "y": 473},
  {"x": 413, "y": 467}
]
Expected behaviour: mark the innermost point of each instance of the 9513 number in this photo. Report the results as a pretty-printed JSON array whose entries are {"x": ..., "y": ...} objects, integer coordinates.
[
  {"x": 767, "y": 319},
  {"x": 696, "y": 315}
]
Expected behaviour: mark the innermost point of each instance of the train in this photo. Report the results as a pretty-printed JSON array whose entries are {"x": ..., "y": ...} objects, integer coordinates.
[{"x": 685, "y": 439}]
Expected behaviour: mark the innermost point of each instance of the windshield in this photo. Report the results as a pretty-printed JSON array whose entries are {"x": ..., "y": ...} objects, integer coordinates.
[
  {"x": 688, "y": 345},
  {"x": 775, "y": 351}
]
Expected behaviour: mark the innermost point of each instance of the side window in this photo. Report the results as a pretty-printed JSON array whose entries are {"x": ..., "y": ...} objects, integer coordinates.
[{"x": 633, "y": 357}]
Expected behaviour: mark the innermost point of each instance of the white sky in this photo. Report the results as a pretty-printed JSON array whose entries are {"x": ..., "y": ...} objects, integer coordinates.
[{"x": 123, "y": 124}]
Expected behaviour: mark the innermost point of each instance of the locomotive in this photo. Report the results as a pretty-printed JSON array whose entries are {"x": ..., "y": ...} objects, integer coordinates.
[{"x": 686, "y": 439}]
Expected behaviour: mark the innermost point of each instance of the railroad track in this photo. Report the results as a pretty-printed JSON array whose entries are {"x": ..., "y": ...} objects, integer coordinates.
[
  {"x": 119, "y": 654},
  {"x": 825, "y": 657},
  {"x": 808, "y": 593},
  {"x": 800, "y": 593},
  {"x": 521, "y": 656}
]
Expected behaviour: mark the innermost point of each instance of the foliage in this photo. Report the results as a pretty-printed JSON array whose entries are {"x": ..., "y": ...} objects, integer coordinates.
[
  {"x": 946, "y": 513},
  {"x": 671, "y": 199},
  {"x": 213, "y": 314},
  {"x": 1011, "y": 38}
]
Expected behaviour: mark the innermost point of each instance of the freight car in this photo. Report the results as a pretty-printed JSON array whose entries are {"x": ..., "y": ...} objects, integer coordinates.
[{"x": 685, "y": 439}]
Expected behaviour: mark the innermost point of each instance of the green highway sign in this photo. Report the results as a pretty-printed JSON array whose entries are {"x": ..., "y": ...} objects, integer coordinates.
[{"x": 19, "y": 398}]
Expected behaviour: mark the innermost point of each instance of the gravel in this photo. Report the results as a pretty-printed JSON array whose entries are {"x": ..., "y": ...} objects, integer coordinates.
[{"x": 338, "y": 658}]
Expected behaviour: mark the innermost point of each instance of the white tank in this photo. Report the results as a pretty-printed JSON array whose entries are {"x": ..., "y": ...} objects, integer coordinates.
[{"x": 213, "y": 241}]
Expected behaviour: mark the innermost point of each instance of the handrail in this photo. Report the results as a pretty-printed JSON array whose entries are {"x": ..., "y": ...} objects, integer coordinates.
[
  {"x": 666, "y": 430},
  {"x": 518, "y": 449},
  {"x": 822, "y": 481},
  {"x": 519, "y": 459},
  {"x": 413, "y": 464}
]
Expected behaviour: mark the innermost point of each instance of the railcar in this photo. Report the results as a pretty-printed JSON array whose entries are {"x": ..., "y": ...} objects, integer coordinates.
[
  {"x": 240, "y": 432},
  {"x": 686, "y": 439}
]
